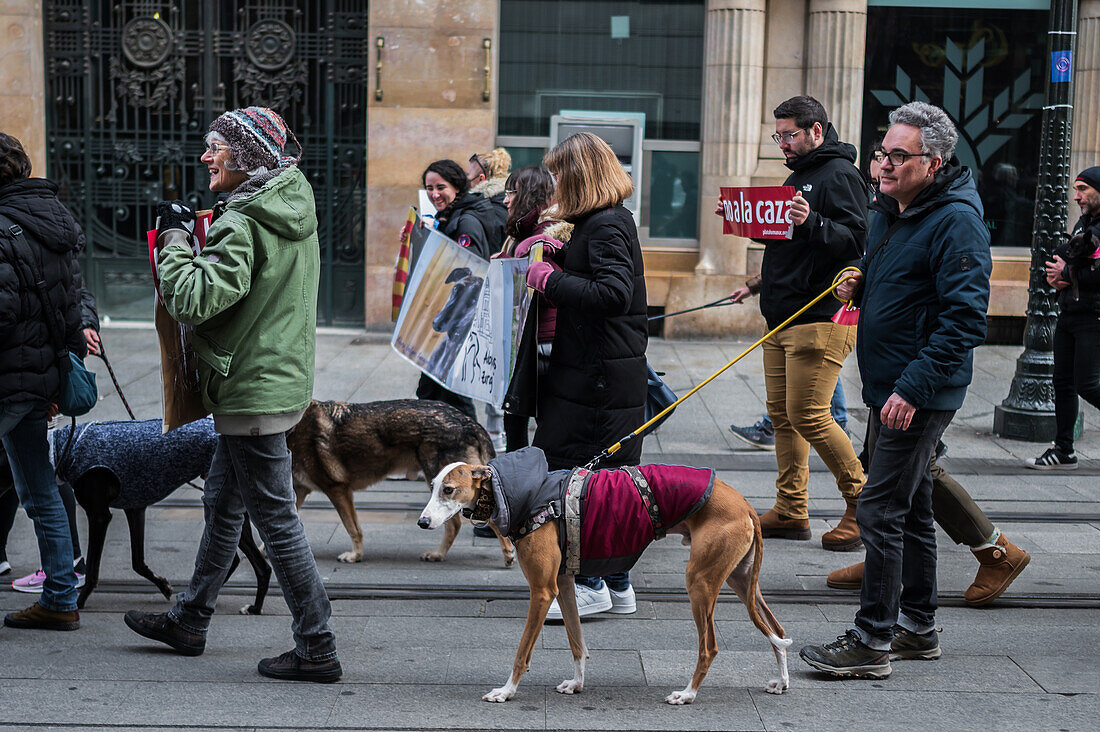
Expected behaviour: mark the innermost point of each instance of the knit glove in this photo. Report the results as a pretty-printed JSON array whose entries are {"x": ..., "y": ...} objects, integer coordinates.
[
  {"x": 550, "y": 246},
  {"x": 175, "y": 215},
  {"x": 537, "y": 274}
]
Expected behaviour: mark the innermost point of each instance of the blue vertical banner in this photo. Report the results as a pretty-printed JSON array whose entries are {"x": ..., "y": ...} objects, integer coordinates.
[{"x": 1061, "y": 66}]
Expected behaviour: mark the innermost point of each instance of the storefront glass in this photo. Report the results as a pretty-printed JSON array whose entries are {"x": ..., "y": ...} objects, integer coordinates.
[{"x": 985, "y": 66}]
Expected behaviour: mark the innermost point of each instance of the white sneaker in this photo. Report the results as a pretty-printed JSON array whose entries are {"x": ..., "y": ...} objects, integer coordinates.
[
  {"x": 589, "y": 601},
  {"x": 499, "y": 443},
  {"x": 623, "y": 603}
]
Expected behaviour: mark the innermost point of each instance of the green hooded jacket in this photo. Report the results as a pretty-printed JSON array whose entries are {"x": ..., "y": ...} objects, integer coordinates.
[{"x": 252, "y": 297}]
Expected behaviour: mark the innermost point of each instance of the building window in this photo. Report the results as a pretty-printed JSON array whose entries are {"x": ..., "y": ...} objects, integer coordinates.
[
  {"x": 611, "y": 56},
  {"x": 984, "y": 66}
]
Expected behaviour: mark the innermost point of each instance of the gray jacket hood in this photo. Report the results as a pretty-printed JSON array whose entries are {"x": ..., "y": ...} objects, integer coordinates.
[{"x": 522, "y": 486}]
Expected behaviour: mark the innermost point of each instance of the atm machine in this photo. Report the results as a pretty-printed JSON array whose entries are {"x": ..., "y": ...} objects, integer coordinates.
[{"x": 623, "y": 131}]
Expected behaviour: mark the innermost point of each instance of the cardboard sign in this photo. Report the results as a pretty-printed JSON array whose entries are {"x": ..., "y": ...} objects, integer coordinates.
[{"x": 762, "y": 212}]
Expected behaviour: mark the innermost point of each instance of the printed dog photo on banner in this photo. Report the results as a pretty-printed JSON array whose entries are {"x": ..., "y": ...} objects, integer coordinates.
[
  {"x": 461, "y": 318},
  {"x": 439, "y": 305}
]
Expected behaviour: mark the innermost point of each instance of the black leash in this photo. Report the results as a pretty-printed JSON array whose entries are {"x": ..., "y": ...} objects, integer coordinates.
[
  {"x": 114, "y": 380},
  {"x": 716, "y": 304}
]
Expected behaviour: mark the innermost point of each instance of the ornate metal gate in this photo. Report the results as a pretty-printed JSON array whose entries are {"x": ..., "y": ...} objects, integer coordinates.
[{"x": 132, "y": 86}]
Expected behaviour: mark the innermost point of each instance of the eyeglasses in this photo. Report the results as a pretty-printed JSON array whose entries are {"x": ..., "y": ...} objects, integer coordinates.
[
  {"x": 477, "y": 160},
  {"x": 214, "y": 148},
  {"x": 896, "y": 159},
  {"x": 787, "y": 137},
  {"x": 509, "y": 193}
]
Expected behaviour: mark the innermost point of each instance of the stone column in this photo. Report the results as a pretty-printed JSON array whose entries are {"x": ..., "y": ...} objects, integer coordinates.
[
  {"x": 432, "y": 106},
  {"x": 836, "y": 44},
  {"x": 732, "y": 102},
  {"x": 1085, "y": 150},
  {"x": 23, "y": 80}
]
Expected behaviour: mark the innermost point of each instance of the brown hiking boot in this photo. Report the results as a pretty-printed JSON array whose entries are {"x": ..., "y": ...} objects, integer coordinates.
[
  {"x": 998, "y": 566},
  {"x": 39, "y": 618},
  {"x": 845, "y": 537},
  {"x": 778, "y": 526},
  {"x": 847, "y": 578}
]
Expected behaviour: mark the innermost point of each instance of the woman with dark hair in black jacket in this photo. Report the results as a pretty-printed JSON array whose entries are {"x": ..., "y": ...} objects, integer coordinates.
[
  {"x": 38, "y": 242},
  {"x": 469, "y": 219}
]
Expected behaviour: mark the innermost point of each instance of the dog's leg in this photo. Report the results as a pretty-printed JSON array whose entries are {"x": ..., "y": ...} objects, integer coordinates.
[
  {"x": 506, "y": 547},
  {"x": 98, "y": 521},
  {"x": 260, "y": 566},
  {"x": 345, "y": 507},
  {"x": 744, "y": 580},
  {"x": 135, "y": 517},
  {"x": 450, "y": 531},
  {"x": 539, "y": 557},
  {"x": 567, "y": 601}
]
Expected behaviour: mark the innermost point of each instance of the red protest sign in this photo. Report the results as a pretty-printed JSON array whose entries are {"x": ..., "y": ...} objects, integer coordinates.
[{"x": 759, "y": 212}]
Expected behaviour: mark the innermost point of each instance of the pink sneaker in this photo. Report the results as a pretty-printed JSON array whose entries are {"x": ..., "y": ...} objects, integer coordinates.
[{"x": 33, "y": 582}]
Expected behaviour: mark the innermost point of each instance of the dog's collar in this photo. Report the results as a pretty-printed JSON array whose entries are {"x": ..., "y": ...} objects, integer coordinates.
[{"x": 483, "y": 505}]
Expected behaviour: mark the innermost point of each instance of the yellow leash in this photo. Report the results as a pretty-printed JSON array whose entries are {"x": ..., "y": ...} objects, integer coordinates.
[{"x": 841, "y": 277}]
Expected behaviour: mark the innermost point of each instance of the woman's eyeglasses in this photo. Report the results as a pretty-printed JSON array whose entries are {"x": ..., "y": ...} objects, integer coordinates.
[
  {"x": 216, "y": 147},
  {"x": 477, "y": 160}
]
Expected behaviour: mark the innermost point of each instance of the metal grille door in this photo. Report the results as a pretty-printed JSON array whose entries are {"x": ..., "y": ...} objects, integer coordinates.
[{"x": 132, "y": 86}]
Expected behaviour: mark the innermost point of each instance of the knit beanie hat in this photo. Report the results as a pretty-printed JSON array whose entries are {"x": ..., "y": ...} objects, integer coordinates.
[
  {"x": 1091, "y": 176},
  {"x": 256, "y": 137}
]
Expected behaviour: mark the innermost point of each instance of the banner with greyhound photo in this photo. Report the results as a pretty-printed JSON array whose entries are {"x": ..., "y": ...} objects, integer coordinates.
[{"x": 461, "y": 317}]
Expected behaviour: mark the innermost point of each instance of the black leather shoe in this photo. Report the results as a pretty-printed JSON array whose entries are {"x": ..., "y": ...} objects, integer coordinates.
[
  {"x": 292, "y": 667},
  {"x": 160, "y": 627}
]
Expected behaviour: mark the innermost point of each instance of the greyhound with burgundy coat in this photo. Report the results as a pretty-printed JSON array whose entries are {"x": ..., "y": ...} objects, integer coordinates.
[{"x": 569, "y": 522}]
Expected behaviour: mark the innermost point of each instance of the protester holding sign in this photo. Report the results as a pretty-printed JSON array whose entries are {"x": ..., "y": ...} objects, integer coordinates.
[
  {"x": 470, "y": 220},
  {"x": 802, "y": 363},
  {"x": 596, "y": 390}
]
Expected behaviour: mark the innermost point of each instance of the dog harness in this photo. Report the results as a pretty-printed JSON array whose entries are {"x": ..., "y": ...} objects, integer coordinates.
[
  {"x": 608, "y": 517},
  {"x": 147, "y": 464}
]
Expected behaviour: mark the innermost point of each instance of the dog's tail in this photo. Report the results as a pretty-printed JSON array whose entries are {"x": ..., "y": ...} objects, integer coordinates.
[{"x": 759, "y": 612}]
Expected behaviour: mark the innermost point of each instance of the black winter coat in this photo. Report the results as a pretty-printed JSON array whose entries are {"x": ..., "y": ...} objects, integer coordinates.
[
  {"x": 596, "y": 390},
  {"x": 473, "y": 216},
  {"x": 28, "y": 360},
  {"x": 795, "y": 271},
  {"x": 1083, "y": 274}
]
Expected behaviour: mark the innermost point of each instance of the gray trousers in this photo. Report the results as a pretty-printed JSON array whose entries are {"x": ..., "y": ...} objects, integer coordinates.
[{"x": 252, "y": 474}]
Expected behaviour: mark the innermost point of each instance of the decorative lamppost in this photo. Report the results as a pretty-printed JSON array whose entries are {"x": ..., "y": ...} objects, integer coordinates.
[{"x": 1027, "y": 413}]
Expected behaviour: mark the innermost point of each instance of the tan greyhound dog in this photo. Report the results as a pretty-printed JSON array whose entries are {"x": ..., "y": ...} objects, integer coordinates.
[{"x": 726, "y": 547}]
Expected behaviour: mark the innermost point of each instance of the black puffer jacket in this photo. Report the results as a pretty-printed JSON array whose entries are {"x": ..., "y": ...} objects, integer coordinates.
[
  {"x": 1082, "y": 272},
  {"x": 796, "y": 270},
  {"x": 596, "y": 389},
  {"x": 28, "y": 361},
  {"x": 475, "y": 217}
]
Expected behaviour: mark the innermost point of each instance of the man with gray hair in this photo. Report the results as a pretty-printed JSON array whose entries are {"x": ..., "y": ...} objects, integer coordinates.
[{"x": 922, "y": 296}]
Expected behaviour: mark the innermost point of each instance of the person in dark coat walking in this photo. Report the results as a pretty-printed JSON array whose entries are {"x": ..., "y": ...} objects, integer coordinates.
[
  {"x": 596, "y": 389},
  {"x": 923, "y": 295},
  {"x": 38, "y": 241},
  {"x": 1075, "y": 273}
]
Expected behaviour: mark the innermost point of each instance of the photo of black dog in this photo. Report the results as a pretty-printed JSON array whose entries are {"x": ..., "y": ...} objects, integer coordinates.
[
  {"x": 454, "y": 319},
  {"x": 130, "y": 465}
]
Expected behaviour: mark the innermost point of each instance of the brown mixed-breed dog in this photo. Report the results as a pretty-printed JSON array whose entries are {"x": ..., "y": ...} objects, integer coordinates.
[
  {"x": 726, "y": 548},
  {"x": 340, "y": 448}
]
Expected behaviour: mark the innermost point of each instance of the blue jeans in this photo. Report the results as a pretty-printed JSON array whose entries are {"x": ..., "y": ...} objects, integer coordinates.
[
  {"x": 23, "y": 428},
  {"x": 896, "y": 524},
  {"x": 838, "y": 407},
  {"x": 252, "y": 474},
  {"x": 619, "y": 581}
]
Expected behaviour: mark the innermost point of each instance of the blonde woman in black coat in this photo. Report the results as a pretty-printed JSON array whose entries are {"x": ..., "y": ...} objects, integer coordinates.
[{"x": 596, "y": 389}]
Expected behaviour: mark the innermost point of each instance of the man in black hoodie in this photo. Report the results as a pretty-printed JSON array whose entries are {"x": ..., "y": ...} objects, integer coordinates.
[
  {"x": 38, "y": 243},
  {"x": 802, "y": 362}
]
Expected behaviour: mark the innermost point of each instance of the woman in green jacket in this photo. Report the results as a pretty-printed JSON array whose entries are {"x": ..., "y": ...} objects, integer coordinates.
[{"x": 252, "y": 297}]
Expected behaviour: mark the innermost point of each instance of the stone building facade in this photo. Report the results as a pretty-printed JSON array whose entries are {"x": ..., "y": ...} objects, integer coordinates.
[{"x": 446, "y": 78}]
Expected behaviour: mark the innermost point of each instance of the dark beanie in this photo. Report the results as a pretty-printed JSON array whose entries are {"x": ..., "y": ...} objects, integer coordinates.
[
  {"x": 256, "y": 137},
  {"x": 1091, "y": 176}
]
